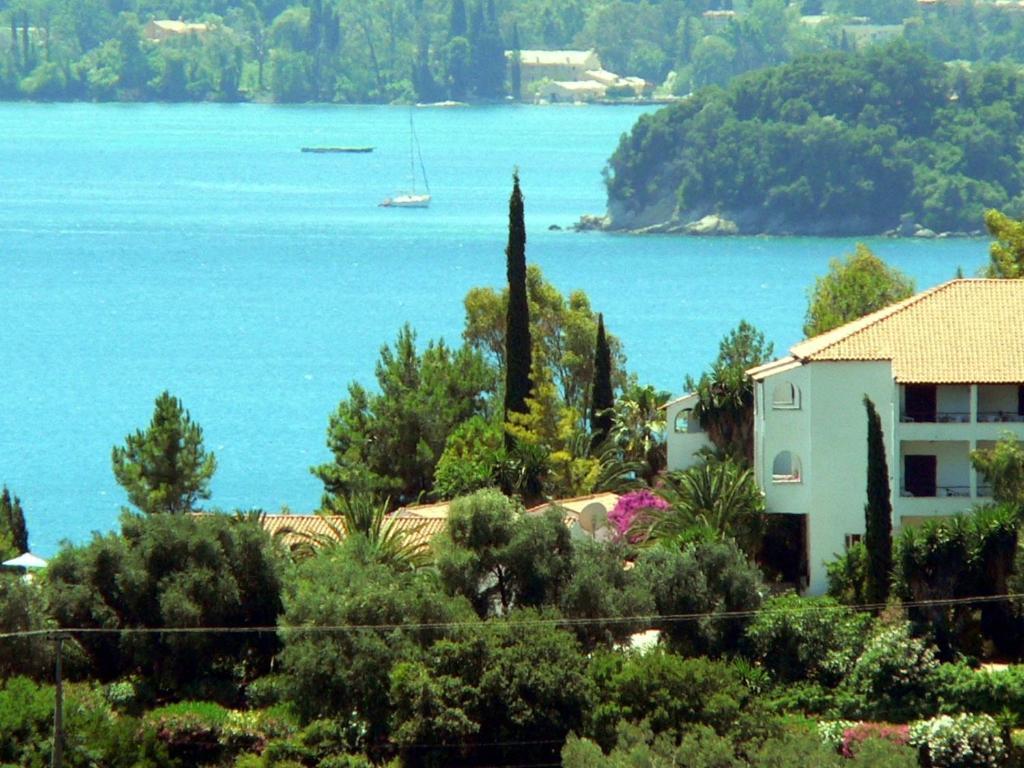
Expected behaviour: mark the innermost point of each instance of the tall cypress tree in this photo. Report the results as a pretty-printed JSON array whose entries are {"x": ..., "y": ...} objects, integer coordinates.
[
  {"x": 517, "y": 320},
  {"x": 602, "y": 400},
  {"x": 877, "y": 513},
  {"x": 12, "y": 519}
]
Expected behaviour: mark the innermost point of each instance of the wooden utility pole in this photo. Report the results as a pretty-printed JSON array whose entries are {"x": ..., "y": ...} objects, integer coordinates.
[{"x": 57, "y": 760}]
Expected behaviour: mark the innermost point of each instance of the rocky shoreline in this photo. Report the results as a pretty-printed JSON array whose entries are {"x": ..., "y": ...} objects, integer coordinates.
[{"x": 714, "y": 225}]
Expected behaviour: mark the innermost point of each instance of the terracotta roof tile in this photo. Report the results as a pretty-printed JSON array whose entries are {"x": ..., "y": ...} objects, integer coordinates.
[
  {"x": 299, "y": 529},
  {"x": 960, "y": 332}
]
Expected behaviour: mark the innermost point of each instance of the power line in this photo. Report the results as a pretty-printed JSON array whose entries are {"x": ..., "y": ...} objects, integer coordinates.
[{"x": 483, "y": 625}]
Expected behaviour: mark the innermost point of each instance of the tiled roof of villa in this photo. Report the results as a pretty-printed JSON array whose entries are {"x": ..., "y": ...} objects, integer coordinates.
[
  {"x": 421, "y": 522},
  {"x": 961, "y": 332},
  {"x": 306, "y": 529},
  {"x": 571, "y": 508}
]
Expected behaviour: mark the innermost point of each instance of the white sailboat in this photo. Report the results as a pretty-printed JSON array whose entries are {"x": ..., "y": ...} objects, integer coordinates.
[{"x": 411, "y": 198}]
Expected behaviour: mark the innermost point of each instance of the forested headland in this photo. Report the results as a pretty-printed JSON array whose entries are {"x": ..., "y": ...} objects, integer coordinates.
[
  {"x": 383, "y": 51},
  {"x": 838, "y": 143}
]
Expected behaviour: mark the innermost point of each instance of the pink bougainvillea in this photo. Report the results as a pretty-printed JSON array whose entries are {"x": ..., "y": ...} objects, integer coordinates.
[
  {"x": 854, "y": 736},
  {"x": 630, "y": 506}
]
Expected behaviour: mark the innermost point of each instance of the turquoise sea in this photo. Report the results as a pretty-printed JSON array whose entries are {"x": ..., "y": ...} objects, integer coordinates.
[{"x": 193, "y": 248}]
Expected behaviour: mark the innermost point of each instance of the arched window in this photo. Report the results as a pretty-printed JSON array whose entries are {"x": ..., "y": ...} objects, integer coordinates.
[
  {"x": 786, "y": 395},
  {"x": 786, "y": 468},
  {"x": 686, "y": 421}
]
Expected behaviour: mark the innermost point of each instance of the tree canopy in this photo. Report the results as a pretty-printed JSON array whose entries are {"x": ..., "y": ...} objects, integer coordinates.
[
  {"x": 165, "y": 469},
  {"x": 389, "y": 442},
  {"x": 853, "y": 288},
  {"x": 1007, "y": 252}
]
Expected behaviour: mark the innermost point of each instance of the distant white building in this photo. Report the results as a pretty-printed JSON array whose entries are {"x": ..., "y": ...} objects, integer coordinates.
[
  {"x": 570, "y": 76},
  {"x": 572, "y": 91},
  {"x": 535, "y": 65},
  {"x": 945, "y": 370},
  {"x": 159, "y": 30}
]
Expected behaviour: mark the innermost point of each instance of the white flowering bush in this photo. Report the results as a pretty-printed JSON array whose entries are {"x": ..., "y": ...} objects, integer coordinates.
[
  {"x": 960, "y": 741},
  {"x": 831, "y": 732}
]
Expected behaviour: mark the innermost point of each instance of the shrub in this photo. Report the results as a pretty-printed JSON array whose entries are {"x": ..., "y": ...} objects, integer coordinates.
[
  {"x": 23, "y": 608},
  {"x": 670, "y": 693},
  {"x": 847, "y": 575},
  {"x": 831, "y": 732},
  {"x": 173, "y": 571},
  {"x": 858, "y": 733},
  {"x": 795, "y": 749},
  {"x": 507, "y": 691},
  {"x": 799, "y": 638},
  {"x": 960, "y": 688},
  {"x": 94, "y": 735},
  {"x": 600, "y": 588},
  {"x": 965, "y": 556},
  {"x": 891, "y": 678},
  {"x": 191, "y": 730},
  {"x": 332, "y": 674},
  {"x": 705, "y": 578},
  {"x": 961, "y": 741},
  {"x": 882, "y": 753}
]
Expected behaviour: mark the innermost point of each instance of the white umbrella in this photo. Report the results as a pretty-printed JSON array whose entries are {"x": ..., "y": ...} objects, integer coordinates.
[{"x": 27, "y": 560}]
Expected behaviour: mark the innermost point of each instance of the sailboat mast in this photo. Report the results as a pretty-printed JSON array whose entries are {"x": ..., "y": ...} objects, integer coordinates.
[{"x": 412, "y": 152}]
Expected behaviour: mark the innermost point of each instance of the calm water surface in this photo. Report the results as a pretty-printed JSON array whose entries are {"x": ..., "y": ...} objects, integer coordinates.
[{"x": 193, "y": 248}]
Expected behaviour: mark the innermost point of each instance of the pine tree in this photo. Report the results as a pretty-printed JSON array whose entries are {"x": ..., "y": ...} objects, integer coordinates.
[
  {"x": 518, "y": 355},
  {"x": 602, "y": 399},
  {"x": 12, "y": 520},
  {"x": 877, "y": 513},
  {"x": 166, "y": 468}
]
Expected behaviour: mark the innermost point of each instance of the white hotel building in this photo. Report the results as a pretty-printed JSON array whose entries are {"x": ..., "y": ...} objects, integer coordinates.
[{"x": 944, "y": 368}]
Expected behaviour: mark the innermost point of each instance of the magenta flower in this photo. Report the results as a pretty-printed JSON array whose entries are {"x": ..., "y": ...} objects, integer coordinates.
[{"x": 631, "y": 506}]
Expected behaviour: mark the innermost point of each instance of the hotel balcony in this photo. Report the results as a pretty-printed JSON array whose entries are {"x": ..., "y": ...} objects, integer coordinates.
[
  {"x": 954, "y": 411},
  {"x": 961, "y": 403},
  {"x": 935, "y": 479}
]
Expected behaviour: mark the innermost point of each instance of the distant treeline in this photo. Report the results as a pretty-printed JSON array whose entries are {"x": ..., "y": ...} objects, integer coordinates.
[
  {"x": 835, "y": 143},
  {"x": 399, "y": 50}
]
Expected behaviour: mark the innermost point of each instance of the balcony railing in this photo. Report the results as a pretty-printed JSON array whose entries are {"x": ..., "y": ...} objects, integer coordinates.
[
  {"x": 997, "y": 416},
  {"x": 942, "y": 491},
  {"x": 940, "y": 417}
]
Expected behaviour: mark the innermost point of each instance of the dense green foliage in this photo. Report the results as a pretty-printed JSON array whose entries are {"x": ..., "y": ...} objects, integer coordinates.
[
  {"x": 174, "y": 571},
  {"x": 344, "y": 674},
  {"x": 877, "y": 512},
  {"x": 13, "y": 531},
  {"x": 387, "y": 50},
  {"x": 726, "y": 404},
  {"x": 562, "y": 334},
  {"x": 854, "y": 288},
  {"x": 1003, "y": 469},
  {"x": 379, "y": 659},
  {"x": 389, "y": 442},
  {"x": 514, "y": 637},
  {"x": 967, "y": 556},
  {"x": 1007, "y": 252},
  {"x": 165, "y": 468},
  {"x": 836, "y": 143},
  {"x": 498, "y": 558}
]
